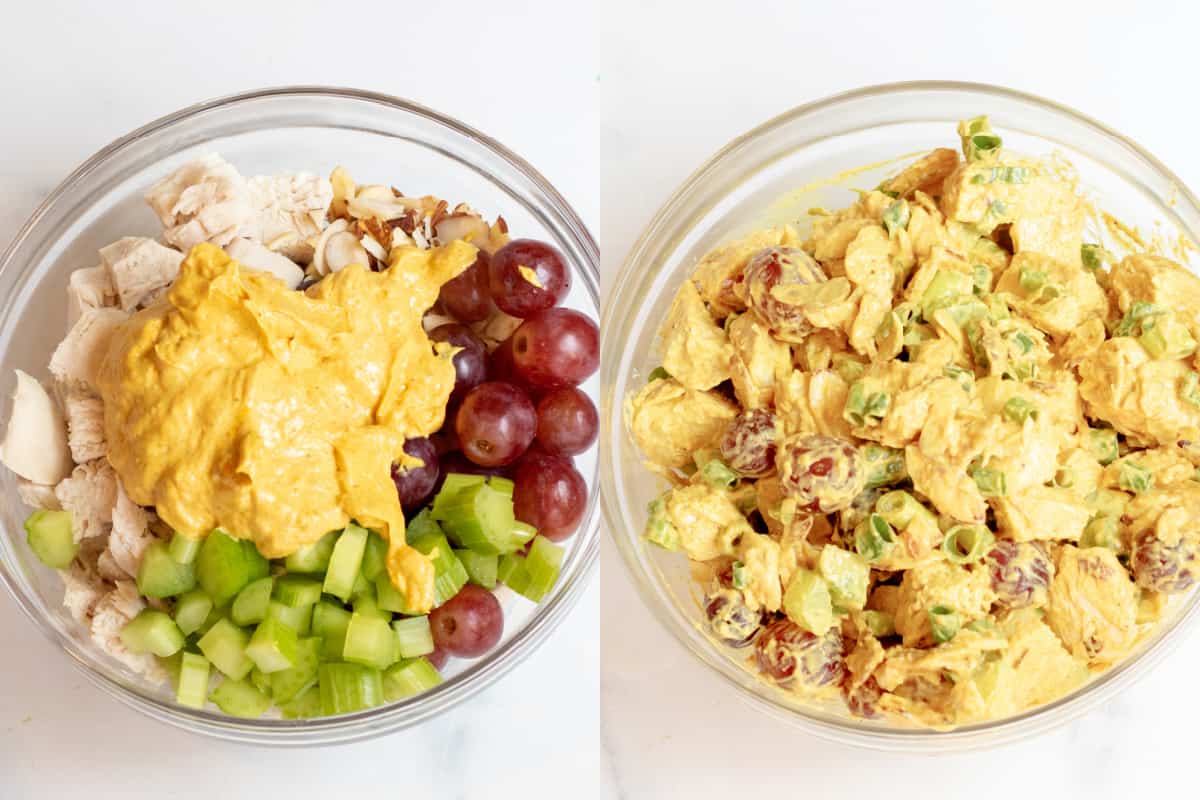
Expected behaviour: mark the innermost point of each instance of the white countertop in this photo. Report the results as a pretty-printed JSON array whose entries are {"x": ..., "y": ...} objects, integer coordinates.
[
  {"x": 675, "y": 87},
  {"x": 75, "y": 76}
]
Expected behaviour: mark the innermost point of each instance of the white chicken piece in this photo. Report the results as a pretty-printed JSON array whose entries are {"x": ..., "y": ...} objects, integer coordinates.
[
  {"x": 130, "y": 533},
  {"x": 89, "y": 493},
  {"x": 110, "y": 615},
  {"x": 85, "y": 424},
  {"x": 254, "y": 255},
  {"x": 89, "y": 288},
  {"x": 139, "y": 269},
  {"x": 287, "y": 211},
  {"x": 37, "y": 495},
  {"x": 77, "y": 357},
  {"x": 35, "y": 444},
  {"x": 82, "y": 590},
  {"x": 206, "y": 200}
]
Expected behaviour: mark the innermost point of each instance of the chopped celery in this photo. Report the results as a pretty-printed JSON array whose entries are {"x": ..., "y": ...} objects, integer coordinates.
[
  {"x": 847, "y": 575},
  {"x": 361, "y": 586},
  {"x": 192, "y": 686},
  {"x": 1136, "y": 318},
  {"x": 452, "y": 484},
  {"x": 329, "y": 621},
  {"x": 191, "y": 610},
  {"x": 880, "y": 623},
  {"x": 1107, "y": 502},
  {"x": 967, "y": 544},
  {"x": 1101, "y": 532},
  {"x": 717, "y": 475},
  {"x": 260, "y": 680},
  {"x": 657, "y": 374},
  {"x": 225, "y": 565},
  {"x": 408, "y": 678},
  {"x": 250, "y": 605},
  {"x": 159, "y": 575},
  {"x": 895, "y": 217},
  {"x": 370, "y": 641},
  {"x": 885, "y": 465},
  {"x": 225, "y": 646},
  {"x": 541, "y": 567},
  {"x": 349, "y": 687},
  {"x": 1092, "y": 256},
  {"x": 479, "y": 518},
  {"x": 297, "y": 590},
  {"x": 739, "y": 575},
  {"x": 807, "y": 602},
  {"x": 387, "y": 597},
  {"x": 510, "y": 569},
  {"x": 288, "y": 683},
  {"x": 368, "y": 603},
  {"x": 945, "y": 286},
  {"x": 273, "y": 646},
  {"x": 184, "y": 549},
  {"x": 171, "y": 664},
  {"x": 1018, "y": 409},
  {"x": 305, "y": 705},
  {"x": 450, "y": 574},
  {"x": 1189, "y": 391},
  {"x": 522, "y": 534},
  {"x": 237, "y": 698},
  {"x": 213, "y": 618},
  {"x": 422, "y": 525},
  {"x": 978, "y": 140},
  {"x": 944, "y": 622},
  {"x": 1102, "y": 444},
  {"x": 374, "y": 558},
  {"x": 298, "y": 618},
  {"x": 991, "y": 482},
  {"x": 659, "y": 530},
  {"x": 1134, "y": 477},
  {"x": 414, "y": 636},
  {"x": 51, "y": 538},
  {"x": 481, "y": 569},
  {"x": 1166, "y": 338},
  {"x": 152, "y": 632},
  {"x": 504, "y": 486},
  {"x": 346, "y": 561},
  {"x": 313, "y": 558}
]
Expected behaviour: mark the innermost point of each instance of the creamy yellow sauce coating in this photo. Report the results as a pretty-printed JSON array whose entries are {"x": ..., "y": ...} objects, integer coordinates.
[{"x": 237, "y": 403}]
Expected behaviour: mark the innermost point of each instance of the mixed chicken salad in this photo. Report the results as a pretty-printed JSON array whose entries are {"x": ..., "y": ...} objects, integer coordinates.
[
  {"x": 938, "y": 456},
  {"x": 291, "y": 447}
]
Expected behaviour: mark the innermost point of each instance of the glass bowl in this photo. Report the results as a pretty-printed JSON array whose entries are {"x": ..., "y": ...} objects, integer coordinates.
[
  {"x": 379, "y": 139},
  {"x": 810, "y": 157}
]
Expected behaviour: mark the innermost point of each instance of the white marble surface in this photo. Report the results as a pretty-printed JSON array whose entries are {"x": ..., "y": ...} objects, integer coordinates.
[
  {"x": 676, "y": 85},
  {"x": 76, "y": 75}
]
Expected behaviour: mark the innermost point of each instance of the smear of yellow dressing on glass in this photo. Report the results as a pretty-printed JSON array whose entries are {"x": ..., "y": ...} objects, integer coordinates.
[{"x": 236, "y": 402}]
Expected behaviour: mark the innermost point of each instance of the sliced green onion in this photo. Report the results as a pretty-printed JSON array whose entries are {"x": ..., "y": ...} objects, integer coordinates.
[
  {"x": 414, "y": 636},
  {"x": 409, "y": 678},
  {"x": 717, "y": 475},
  {"x": 1101, "y": 532},
  {"x": 965, "y": 377},
  {"x": 885, "y": 465},
  {"x": 807, "y": 602},
  {"x": 657, "y": 374},
  {"x": 1002, "y": 174},
  {"x": 481, "y": 568},
  {"x": 313, "y": 558},
  {"x": 862, "y": 405},
  {"x": 944, "y": 622},
  {"x": 1018, "y": 409},
  {"x": 880, "y": 623},
  {"x": 273, "y": 647},
  {"x": 967, "y": 544},
  {"x": 874, "y": 537},
  {"x": 250, "y": 605},
  {"x": 945, "y": 286},
  {"x": 1165, "y": 338},
  {"x": 847, "y": 367},
  {"x": 981, "y": 279},
  {"x": 895, "y": 217},
  {"x": 1102, "y": 444},
  {"x": 184, "y": 549},
  {"x": 740, "y": 576},
  {"x": 225, "y": 646},
  {"x": 51, "y": 538},
  {"x": 154, "y": 632},
  {"x": 191, "y": 610},
  {"x": 297, "y": 590},
  {"x": 1133, "y": 321},
  {"x": 159, "y": 575},
  {"x": 237, "y": 698},
  {"x": 349, "y": 687},
  {"x": 991, "y": 482},
  {"x": 224, "y": 566},
  {"x": 659, "y": 530},
  {"x": 978, "y": 140},
  {"x": 1032, "y": 279},
  {"x": 847, "y": 575},
  {"x": 898, "y": 509},
  {"x": 1134, "y": 477},
  {"x": 1092, "y": 256},
  {"x": 192, "y": 686},
  {"x": 370, "y": 641}
]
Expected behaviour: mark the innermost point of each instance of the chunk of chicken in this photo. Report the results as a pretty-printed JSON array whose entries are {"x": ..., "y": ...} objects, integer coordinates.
[
  {"x": 1093, "y": 604},
  {"x": 670, "y": 422},
  {"x": 35, "y": 444},
  {"x": 77, "y": 358},
  {"x": 286, "y": 212},
  {"x": 940, "y": 583},
  {"x": 130, "y": 533},
  {"x": 89, "y": 493},
  {"x": 708, "y": 522},
  {"x": 254, "y": 255},
  {"x": 139, "y": 269},
  {"x": 89, "y": 288},
  {"x": 37, "y": 495},
  {"x": 694, "y": 348},
  {"x": 85, "y": 424},
  {"x": 205, "y": 200},
  {"x": 760, "y": 556},
  {"x": 82, "y": 590}
]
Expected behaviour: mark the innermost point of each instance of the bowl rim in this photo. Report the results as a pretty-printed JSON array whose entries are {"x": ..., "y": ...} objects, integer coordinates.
[
  {"x": 899, "y": 739},
  {"x": 481, "y": 673}
]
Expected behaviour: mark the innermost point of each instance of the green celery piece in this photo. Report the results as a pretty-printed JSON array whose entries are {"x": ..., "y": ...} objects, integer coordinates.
[
  {"x": 374, "y": 556},
  {"x": 313, "y": 559},
  {"x": 192, "y": 686},
  {"x": 478, "y": 518},
  {"x": 368, "y": 603},
  {"x": 159, "y": 575},
  {"x": 305, "y": 705},
  {"x": 408, "y": 678},
  {"x": 51, "y": 538},
  {"x": 880, "y": 623},
  {"x": 481, "y": 569},
  {"x": 171, "y": 664},
  {"x": 885, "y": 465},
  {"x": 991, "y": 482},
  {"x": 330, "y": 621},
  {"x": 450, "y": 574},
  {"x": 717, "y": 475},
  {"x": 1101, "y": 531},
  {"x": 1133, "y": 477},
  {"x": 542, "y": 567},
  {"x": 349, "y": 687},
  {"x": 298, "y": 618},
  {"x": 154, "y": 632},
  {"x": 1103, "y": 445},
  {"x": 273, "y": 647},
  {"x": 453, "y": 483},
  {"x": 297, "y": 590},
  {"x": 944, "y": 286},
  {"x": 361, "y": 586},
  {"x": 260, "y": 680},
  {"x": 225, "y": 565},
  {"x": 250, "y": 605},
  {"x": 192, "y": 610},
  {"x": 214, "y": 616},
  {"x": 522, "y": 534},
  {"x": 184, "y": 549},
  {"x": 414, "y": 636},
  {"x": 1018, "y": 409},
  {"x": 847, "y": 575},
  {"x": 807, "y": 602},
  {"x": 287, "y": 684},
  {"x": 511, "y": 570},
  {"x": 370, "y": 641},
  {"x": 505, "y": 486},
  {"x": 225, "y": 646},
  {"x": 387, "y": 597},
  {"x": 237, "y": 698},
  {"x": 346, "y": 561}
]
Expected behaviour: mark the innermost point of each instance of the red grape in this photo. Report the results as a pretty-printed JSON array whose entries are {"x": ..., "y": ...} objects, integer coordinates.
[
  {"x": 466, "y": 297},
  {"x": 1021, "y": 573},
  {"x": 785, "y": 653},
  {"x": 470, "y": 363},
  {"x": 438, "y": 657},
  {"x": 557, "y": 347},
  {"x": 415, "y": 484},
  {"x": 781, "y": 266},
  {"x": 550, "y": 495},
  {"x": 495, "y": 424},
  {"x": 512, "y": 288},
  {"x": 823, "y": 473},
  {"x": 567, "y": 421},
  {"x": 748, "y": 445},
  {"x": 500, "y": 366},
  {"x": 468, "y": 624}
]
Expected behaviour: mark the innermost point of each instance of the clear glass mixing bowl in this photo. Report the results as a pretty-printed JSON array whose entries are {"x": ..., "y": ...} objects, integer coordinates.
[
  {"x": 772, "y": 175},
  {"x": 379, "y": 139}
]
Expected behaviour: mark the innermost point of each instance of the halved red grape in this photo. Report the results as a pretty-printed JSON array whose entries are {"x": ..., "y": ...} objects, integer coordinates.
[
  {"x": 466, "y": 297},
  {"x": 1021, "y": 573},
  {"x": 414, "y": 485},
  {"x": 555, "y": 348},
  {"x": 495, "y": 423},
  {"x": 468, "y": 624},
  {"x": 748, "y": 445},
  {"x": 568, "y": 422},
  {"x": 823, "y": 473},
  {"x": 527, "y": 276},
  {"x": 787, "y": 653},
  {"x": 731, "y": 620},
  {"x": 781, "y": 266},
  {"x": 438, "y": 657},
  {"x": 550, "y": 495},
  {"x": 470, "y": 363}
]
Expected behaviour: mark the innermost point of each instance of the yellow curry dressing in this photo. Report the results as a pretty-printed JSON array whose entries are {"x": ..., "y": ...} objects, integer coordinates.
[{"x": 237, "y": 403}]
